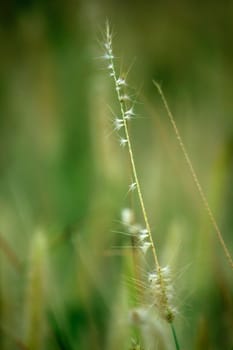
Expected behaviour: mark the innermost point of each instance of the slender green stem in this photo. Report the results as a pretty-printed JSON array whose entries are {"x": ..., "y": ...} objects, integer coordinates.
[
  {"x": 135, "y": 175},
  {"x": 175, "y": 336},
  {"x": 135, "y": 171},
  {"x": 194, "y": 176},
  {"x": 163, "y": 302}
]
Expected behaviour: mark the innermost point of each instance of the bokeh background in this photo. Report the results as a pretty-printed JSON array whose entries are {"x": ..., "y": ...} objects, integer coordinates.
[{"x": 64, "y": 179}]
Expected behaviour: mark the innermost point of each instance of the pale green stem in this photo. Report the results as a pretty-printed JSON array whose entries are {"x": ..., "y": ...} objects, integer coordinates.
[
  {"x": 194, "y": 176},
  {"x": 141, "y": 200},
  {"x": 175, "y": 336},
  {"x": 135, "y": 171}
]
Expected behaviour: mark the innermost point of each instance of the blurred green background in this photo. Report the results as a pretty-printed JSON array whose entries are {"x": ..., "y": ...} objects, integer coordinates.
[{"x": 64, "y": 179}]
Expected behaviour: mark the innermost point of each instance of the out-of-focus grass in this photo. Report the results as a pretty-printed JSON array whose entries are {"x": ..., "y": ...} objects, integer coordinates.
[{"x": 61, "y": 173}]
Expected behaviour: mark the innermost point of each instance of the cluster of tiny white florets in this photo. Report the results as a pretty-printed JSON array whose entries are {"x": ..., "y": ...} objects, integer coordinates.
[
  {"x": 127, "y": 106},
  {"x": 158, "y": 284},
  {"x": 136, "y": 230},
  {"x": 161, "y": 292}
]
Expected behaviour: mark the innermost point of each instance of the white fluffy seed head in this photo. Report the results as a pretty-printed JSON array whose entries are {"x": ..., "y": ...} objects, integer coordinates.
[
  {"x": 160, "y": 291},
  {"x": 145, "y": 246},
  {"x": 144, "y": 231},
  {"x": 108, "y": 45},
  {"x": 127, "y": 216},
  {"x": 123, "y": 142},
  {"x": 129, "y": 114},
  {"x": 108, "y": 56},
  {"x": 125, "y": 98},
  {"x": 108, "y": 42},
  {"x": 132, "y": 186},
  {"x": 121, "y": 82},
  {"x": 142, "y": 236},
  {"x": 118, "y": 124}
]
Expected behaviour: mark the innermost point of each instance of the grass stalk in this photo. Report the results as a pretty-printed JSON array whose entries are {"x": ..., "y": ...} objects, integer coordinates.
[
  {"x": 194, "y": 176},
  {"x": 119, "y": 82},
  {"x": 131, "y": 155}
]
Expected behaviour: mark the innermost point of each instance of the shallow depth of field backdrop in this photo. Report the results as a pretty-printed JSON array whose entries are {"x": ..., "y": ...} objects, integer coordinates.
[{"x": 64, "y": 179}]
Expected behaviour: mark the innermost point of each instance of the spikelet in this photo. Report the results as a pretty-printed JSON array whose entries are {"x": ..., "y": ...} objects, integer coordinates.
[{"x": 158, "y": 284}]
